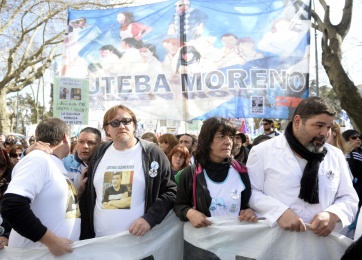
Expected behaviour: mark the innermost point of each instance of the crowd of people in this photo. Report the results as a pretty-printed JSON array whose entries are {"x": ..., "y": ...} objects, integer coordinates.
[{"x": 310, "y": 173}]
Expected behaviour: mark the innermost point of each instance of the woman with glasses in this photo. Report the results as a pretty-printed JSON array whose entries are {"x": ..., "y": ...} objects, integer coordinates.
[
  {"x": 5, "y": 177},
  {"x": 216, "y": 185},
  {"x": 179, "y": 158},
  {"x": 15, "y": 154}
]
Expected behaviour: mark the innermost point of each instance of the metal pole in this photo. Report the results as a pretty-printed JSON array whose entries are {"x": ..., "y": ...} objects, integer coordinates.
[{"x": 316, "y": 62}]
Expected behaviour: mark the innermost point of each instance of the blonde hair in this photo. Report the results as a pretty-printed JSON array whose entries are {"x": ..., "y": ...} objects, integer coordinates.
[{"x": 338, "y": 138}]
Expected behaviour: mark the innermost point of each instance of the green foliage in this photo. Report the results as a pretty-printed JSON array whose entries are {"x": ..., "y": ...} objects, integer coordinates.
[
  {"x": 327, "y": 93},
  {"x": 22, "y": 112}
]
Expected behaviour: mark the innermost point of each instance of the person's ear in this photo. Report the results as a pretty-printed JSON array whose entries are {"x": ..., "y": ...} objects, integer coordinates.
[
  {"x": 297, "y": 120},
  {"x": 194, "y": 147},
  {"x": 66, "y": 139}
]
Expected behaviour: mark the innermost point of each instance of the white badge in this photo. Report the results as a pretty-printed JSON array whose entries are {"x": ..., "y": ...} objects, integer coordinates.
[
  {"x": 234, "y": 194},
  {"x": 153, "y": 170}
]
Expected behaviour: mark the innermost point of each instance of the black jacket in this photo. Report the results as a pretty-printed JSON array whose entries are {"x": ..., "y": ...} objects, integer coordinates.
[
  {"x": 354, "y": 160},
  {"x": 184, "y": 198},
  {"x": 160, "y": 190}
]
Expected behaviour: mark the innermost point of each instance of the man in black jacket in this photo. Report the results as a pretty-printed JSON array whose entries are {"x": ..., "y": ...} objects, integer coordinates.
[{"x": 145, "y": 171}]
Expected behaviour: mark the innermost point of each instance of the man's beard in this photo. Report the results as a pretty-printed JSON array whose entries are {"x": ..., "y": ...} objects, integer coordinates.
[{"x": 316, "y": 149}]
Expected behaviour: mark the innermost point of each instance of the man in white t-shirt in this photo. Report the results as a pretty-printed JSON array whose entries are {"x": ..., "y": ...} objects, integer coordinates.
[
  {"x": 41, "y": 203},
  {"x": 145, "y": 171}
]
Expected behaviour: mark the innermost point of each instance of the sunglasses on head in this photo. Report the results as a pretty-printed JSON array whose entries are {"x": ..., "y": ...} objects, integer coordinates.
[
  {"x": 355, "y": 137},
  {"x": 116, "y": 123},
  {"x": 15, "y": 155}
]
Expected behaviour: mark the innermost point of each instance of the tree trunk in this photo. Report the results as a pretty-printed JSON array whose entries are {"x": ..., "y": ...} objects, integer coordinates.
[
  {"x": 4, "y": 114},
  {"x": 347, "y": 92},
  {"x": 333, "y": 36}
]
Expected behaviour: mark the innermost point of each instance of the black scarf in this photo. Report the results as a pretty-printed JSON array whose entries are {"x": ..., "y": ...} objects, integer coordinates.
[{"x": 309, "y": 182}]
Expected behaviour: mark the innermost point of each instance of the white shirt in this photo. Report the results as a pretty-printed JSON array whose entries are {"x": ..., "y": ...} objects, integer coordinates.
[
  {"x": 275, "y": 176},
  {"x": 129, "y": 163},
  {"x": 42, "y": 178},
  {"x": 225, "y": 196}
]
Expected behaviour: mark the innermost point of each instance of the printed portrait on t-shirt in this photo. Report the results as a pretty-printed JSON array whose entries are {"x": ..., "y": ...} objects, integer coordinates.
[
  {"x": 72, "y": 202},
  {"x": 117, "y": 189}
]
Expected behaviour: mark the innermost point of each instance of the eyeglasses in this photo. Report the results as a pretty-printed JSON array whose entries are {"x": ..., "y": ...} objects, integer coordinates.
[
  {"x": 15, "y": 155},
  {"x": 175, "y": 155},
  {"x": 355, "y": 137},
  {"x": 116, "y": 123},
  {"x": 265, "y": 123}
]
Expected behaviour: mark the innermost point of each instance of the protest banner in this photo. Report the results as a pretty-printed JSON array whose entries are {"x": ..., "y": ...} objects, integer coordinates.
[
  {"x": 164, "y": 241},
  {"x": 71, "y": 100},
  {"x": 228, "y": 239},
  {"x": 189, "y": 60},
  {"x": 225, "y": 239}
]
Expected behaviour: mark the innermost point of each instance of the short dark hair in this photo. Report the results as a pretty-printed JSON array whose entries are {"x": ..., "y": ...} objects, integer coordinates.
[
  {"x": 313, "y": 106},
  {"x": 133, "y": 43},
  {"x": 9, "y": 140},
  {"x": 207, "y": 133},
  {"x": 51, "y": 130},
  {"x": 194, "y": 140},
  {"x": 117, "y": 173},
  {"x": 93, "y": 131},
  {"x": 268, "y": 120},
  {"x": 242, "y": 137},
  {"x": 348, "y": 133},
  {"x": 260, "y": 138}
]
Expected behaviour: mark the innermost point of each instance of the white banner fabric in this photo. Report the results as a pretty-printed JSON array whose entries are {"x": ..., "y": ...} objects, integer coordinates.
[
  {"x": 229, "y": 240},
  {"x": 164, "y": 241},
  {"x": 226, "y": 238}
]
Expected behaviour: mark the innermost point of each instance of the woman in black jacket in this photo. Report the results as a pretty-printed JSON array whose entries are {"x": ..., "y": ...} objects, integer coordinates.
[{"x": 216, "y": 185}]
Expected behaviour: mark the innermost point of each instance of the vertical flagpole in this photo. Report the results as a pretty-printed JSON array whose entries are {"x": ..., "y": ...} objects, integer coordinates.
[{"x": 316, "y": 62}]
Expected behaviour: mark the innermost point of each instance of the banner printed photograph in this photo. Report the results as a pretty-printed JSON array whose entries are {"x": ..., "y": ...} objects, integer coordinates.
[{"x": 187, "y": 60}]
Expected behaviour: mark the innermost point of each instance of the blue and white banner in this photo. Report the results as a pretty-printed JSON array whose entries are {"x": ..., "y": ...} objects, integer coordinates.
[{"x": 187, "y": 60}]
